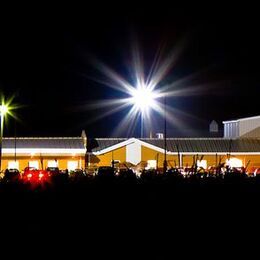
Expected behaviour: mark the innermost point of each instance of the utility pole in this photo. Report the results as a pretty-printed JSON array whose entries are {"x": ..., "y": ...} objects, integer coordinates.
[{"x": 15, "y": 141}]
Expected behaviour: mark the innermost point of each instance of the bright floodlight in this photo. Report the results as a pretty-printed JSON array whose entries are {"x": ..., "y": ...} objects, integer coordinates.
[
  {"x": 3, "y": 109},
  {"x": 143, "y": 98}
]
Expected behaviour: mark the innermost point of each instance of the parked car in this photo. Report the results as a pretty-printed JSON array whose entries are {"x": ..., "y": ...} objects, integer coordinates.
[
  {"x": 57, "y": 175},
  {"x": 126, "y": 175},
  {"x": 106, "y": 173},
  {"x": 77, "y": 174},
  {"x": 105, "y": 170},
  {"x": 34, "y": 175},
  {"x": 11, "y": 175},
  {"x": 53, "y": 171}
]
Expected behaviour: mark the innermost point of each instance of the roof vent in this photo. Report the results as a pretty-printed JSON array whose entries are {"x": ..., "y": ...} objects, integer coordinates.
[
  {"x": 159, "y": 135},
  {"x": 213, "y": 127}
]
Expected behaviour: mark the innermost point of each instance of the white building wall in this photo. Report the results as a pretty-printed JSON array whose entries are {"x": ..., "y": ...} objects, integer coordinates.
[
  {"x": 241, "y": 127},
  {"x": 227, "y": 130},
  {"x": 134, "y": 153},
  {"x": 231, "y": 129},
  {"x": 237, "y": 129}
]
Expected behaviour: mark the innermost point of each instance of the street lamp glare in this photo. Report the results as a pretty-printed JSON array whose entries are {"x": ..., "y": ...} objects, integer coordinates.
[
  {"x": 3, "y": 109},
  {"x": 143, "y": 98}
]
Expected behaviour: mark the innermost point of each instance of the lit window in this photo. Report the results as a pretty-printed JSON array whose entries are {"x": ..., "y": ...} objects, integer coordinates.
[
  {"x": 234, "y": 162},
  {"x": 53, "y": 163},
  {"x": 34, "y": 164},
  {"x": 13, "y": 165},
  {"x": 151, "y": 164},
  {"x": 202, "y": 164},
  {"x": 72, "y": 165}
]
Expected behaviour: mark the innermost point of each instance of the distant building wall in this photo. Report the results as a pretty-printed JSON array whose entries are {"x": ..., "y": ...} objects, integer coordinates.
[
  {"x": 147, "y": 154},
  {"x": 62, "y": 162},
  {"x": 244, "y": 127},
  {"x": 136, "y": 151},
  {"x": 231, "y": 129}
]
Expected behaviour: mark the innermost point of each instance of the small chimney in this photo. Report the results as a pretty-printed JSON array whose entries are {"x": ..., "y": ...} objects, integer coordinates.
[{"x": 84, "y": 138}]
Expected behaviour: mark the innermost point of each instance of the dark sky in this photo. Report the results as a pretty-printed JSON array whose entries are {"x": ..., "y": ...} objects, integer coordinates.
[{"x": 45, "y": 62}]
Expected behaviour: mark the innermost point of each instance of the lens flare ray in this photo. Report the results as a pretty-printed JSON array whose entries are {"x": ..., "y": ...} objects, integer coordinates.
[{"x": 145, "y": 94}]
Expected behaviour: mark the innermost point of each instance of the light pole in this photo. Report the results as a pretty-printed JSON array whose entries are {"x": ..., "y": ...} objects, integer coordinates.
[
  {"x": 142, "y": 125},
  {"x": 165, "y": 140},
  {"x": 3, "y": 112},
  {"x": 143, "y": 99}
]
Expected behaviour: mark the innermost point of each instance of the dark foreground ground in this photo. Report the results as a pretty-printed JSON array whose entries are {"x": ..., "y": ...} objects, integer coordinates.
[{"x": 130, "y": 220}]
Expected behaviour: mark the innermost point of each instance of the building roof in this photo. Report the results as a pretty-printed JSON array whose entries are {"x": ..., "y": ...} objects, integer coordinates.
[
  {"x": 207, "y": 145},
  {"x": 255, "y": 133},
  {"x": 44, "y": 143},
  {"x": 185, "y": 145},
  {"x": 103, "y": 143},
  {"x": 241, "y": 119}
]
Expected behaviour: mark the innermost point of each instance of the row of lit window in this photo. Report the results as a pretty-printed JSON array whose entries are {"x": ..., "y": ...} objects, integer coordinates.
[
  {"x": 71, "y": 165},
  {"x": 232, "y": 162}
]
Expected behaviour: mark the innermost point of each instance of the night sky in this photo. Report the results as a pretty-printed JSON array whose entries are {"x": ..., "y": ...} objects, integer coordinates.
[{"x": 45, "y": 61}]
